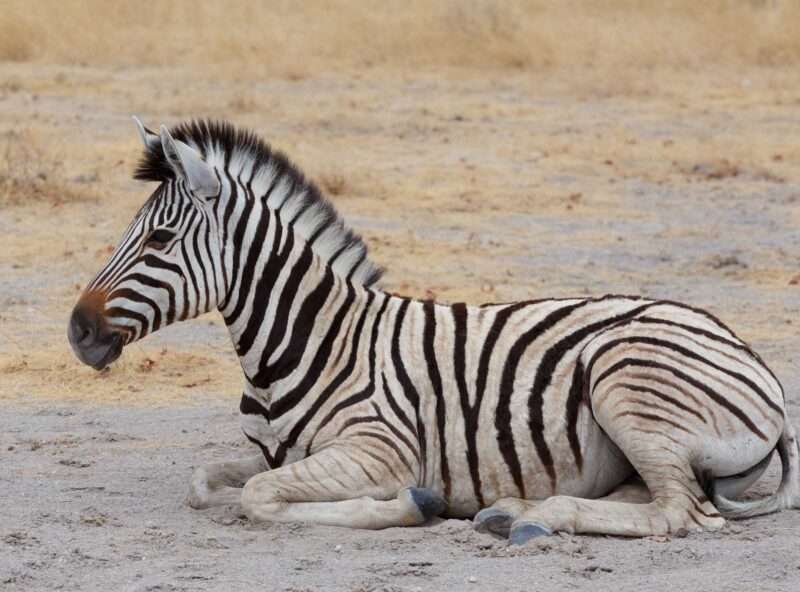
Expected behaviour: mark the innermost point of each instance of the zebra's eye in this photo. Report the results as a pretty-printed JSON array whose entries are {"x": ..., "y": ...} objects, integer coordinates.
[{"x": 159, "y": 238}]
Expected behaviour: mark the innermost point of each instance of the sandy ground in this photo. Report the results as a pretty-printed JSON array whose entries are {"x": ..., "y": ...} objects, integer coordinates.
[{"x": 466, "y": 186}]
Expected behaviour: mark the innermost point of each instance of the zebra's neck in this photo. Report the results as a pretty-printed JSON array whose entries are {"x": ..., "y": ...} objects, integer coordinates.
[{"x": 290, "y": 292}]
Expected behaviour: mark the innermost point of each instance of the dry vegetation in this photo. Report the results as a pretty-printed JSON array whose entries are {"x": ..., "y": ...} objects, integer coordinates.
[
  {"x": 590, "y": 48},
  {"x": 293, "y": 39},
  {"x": 31, "y": 171},
  {"x": 409, "y": 114}
]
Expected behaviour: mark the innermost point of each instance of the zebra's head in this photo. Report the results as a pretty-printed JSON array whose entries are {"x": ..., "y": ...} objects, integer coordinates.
[{"x": 168, "y": 265}]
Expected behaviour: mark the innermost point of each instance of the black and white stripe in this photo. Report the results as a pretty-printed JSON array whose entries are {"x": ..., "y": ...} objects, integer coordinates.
[{"x": 522, "y": 400}]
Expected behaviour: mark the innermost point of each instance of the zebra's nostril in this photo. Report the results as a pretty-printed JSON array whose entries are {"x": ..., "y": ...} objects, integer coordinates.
[
  {"x": 82, "y": 331},
  {"x": 86, "y": 335}
]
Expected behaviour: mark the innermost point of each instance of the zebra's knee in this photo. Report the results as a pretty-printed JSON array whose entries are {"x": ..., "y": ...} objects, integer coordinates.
[{"x": 261, "y": 499}]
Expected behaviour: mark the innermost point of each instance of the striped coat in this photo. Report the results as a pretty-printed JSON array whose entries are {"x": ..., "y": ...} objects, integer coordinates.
[{"x": 625, "y": 415}]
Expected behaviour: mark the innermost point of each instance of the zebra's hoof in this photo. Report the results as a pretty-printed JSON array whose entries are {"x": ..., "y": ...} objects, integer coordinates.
[
  {"x": 522, "y": 533},
  {"x": 493, "y": 521},
  {"x": 428, "y": 502}
]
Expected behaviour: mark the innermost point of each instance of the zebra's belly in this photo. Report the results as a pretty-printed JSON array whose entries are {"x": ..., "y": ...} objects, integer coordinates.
[{"x": 603, "y": 467}]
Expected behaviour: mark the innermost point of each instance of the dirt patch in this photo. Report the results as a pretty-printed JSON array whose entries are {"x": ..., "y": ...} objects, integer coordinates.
[{"x": 120, "y": 523}]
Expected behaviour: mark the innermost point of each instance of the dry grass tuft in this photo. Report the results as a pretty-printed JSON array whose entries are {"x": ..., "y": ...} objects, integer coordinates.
[
  {"x": 17, "y": 38},
  {"x": 294, "y": 39},
  {"x": 333, "y": 184},
  {"x": 30, "y": 172},
  {"x": 723, "y": 168},
  {"x": 242, "y": 104}
]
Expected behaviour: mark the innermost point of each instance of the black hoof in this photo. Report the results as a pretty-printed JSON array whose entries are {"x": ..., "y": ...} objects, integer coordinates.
[
  {"x": 429, "y": 503},
  {"x": 522, "y": 533},
  {"x": 493, "y": 521}
]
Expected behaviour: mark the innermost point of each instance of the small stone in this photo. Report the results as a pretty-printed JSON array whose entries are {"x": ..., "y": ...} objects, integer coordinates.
[
  {"x": 90, "y": 178},
  {"x": 338, "y": 548},
  {"x": 735, "y": 529},
  {"x": 472, "y": 580}
]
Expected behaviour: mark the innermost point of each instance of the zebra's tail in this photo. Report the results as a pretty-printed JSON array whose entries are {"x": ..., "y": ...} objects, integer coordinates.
[{"x": 787, "y": 495}]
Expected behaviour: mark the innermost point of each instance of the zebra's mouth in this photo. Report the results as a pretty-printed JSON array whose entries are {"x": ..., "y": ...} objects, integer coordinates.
[
  {"x": 99, "y": 355},
  {"x": 100, "y": 358}
]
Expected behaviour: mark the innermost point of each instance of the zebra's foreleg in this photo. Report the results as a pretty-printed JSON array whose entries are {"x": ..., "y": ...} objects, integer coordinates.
[
  {"x": 338, "y": 487},
  {"x": 221, "y": 483}
]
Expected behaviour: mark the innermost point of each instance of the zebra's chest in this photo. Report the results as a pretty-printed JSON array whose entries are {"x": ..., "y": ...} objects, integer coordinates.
[{"x": 266, "y": 435}]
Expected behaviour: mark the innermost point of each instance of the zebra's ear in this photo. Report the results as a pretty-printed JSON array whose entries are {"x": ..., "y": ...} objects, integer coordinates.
[
  {"x": 149, "y": 139},
  {"x": 189, "y": 165}
]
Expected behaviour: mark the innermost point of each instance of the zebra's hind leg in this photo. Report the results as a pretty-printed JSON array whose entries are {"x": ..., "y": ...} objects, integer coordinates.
[
  {"x": 633, "y": 491},
  {"x": 340, "y": 487},
  {"x": 661, "y": 453},
  {"x": 220, "y": 484},
  {"x": 678, "y": 504},
  {"x": 498, "y": 518}
]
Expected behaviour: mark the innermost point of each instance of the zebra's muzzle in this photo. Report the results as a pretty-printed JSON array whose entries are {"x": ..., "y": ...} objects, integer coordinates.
[{"x": 90, "y": 337}]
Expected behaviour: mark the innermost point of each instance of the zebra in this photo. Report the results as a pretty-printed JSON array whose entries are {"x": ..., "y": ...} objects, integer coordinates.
[{"x": 617, "y": 415}]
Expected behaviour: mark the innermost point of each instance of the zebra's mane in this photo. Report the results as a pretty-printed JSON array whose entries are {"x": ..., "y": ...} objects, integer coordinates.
[{"x": 243, "y": 154}]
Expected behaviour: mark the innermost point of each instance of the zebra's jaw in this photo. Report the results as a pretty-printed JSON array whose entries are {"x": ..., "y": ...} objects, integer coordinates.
[{"x": 92, "y": 340}]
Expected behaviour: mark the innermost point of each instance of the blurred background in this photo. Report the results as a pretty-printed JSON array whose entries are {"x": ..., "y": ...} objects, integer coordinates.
[
  {"x": 284, "y": 38},
  {"x": 486, "y": 150}
]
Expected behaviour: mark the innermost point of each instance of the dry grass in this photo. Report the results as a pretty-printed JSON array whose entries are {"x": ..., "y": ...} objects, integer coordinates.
[
  {"x": 333, "y": 183},
  {"x": 292, "y": 39},
  {"x": 171, "y": 376},
  {"x": 25, "y": 173},
  {"x": 30, "y": 172}
]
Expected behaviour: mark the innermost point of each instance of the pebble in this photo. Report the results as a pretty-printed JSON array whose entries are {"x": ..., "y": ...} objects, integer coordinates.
[
  {"x": 338, "y": 548},
  {"x": 735, "y": 529},
  {"x": 91, "y": 178},
  {"x": 472, "y": 580}
]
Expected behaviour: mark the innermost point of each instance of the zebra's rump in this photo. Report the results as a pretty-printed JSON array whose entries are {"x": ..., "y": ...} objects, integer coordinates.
[{"x": 685, "y": 374}]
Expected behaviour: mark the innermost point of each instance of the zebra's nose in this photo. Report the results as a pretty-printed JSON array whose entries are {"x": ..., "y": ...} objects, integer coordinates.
[
  {"x": 81, "y": 330},
  {"x": 88, "y": 333}
]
